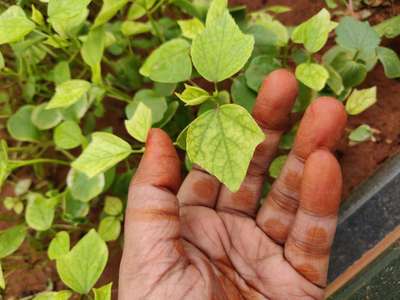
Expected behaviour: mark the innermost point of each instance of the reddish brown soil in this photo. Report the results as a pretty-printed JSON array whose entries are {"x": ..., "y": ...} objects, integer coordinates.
[{"x": 358, "y": 162}]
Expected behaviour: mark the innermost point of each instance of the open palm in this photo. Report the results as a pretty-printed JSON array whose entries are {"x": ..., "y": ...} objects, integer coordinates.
[{"x": 197, "y": 240}]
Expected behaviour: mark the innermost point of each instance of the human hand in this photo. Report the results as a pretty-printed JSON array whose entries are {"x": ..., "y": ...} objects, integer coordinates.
[{"x": 200, "y": 241}]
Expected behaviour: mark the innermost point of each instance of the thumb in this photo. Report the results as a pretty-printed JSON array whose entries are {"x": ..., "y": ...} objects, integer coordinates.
[{"x": 152, "y": 233}]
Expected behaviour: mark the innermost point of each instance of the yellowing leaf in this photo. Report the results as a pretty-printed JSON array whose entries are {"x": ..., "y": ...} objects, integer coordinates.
[
  {"x": 170, "y": 63},
  {"x": 221, "y": 50},
  {"x": 109, "y": 10},
  {"x": 68, "y": 135},
  {"x": 103, "y": 293},
  {"x": 222, "y": 141},
  {"x": 69, "y": 92},
  {"x": 104, "y": 152},
  {"x": 59, "y": 245},
  {"x": 60, "y": 295},
  {"x": 193, "y": 95},
  {"x": 360, "y": 100},
  {"x": 109, "y": 228},
  {"x": 39, "y": 212},
  {"x": 312, "y": 75},
  {"x": 113, "y": 206},
  {"x": 37, "y": 16},
  {"x": 139, "y": 125},
  {"x": 2, "y": 281},
  {"x": 216, "y": 11},
  {"x": 11, "y": 239},
  {"x": 314, "y": 33},
  {"x": 14, "y": 25},
  {"x": 191, "y": 28}
]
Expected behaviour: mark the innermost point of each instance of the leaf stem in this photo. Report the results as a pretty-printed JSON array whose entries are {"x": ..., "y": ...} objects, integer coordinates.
[
  {"x": 23, "y": 163},
  {"x": 138, "y": 151}
]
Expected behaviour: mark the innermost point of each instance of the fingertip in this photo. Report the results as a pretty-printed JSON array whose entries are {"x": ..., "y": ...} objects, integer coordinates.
[
  {"x": 322, "y": 183},
  {"x": 322, "y": 126},
  {"x": 160, "y": 164},
  {"x": 275, "y": 100}
]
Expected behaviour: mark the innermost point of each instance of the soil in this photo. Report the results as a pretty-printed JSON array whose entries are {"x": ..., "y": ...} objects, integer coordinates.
[{"x": 358, "y": 162}]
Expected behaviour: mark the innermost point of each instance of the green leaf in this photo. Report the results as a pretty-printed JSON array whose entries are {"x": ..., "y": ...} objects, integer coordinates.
[
  {"x": 335, "y": 81},
  {"x": 37, "y": 16},
  {"x": 259, "y": 68},
  {"x": 4, "y": 166},
  {"x": 2, "y": 280},
  {"x": 61, "y": 295},
  {"x": 181, "y": 139},
  {"x": 92, "y": 52},
  {"x": 82, "y": 266},
  {"x": 11, "y": 239},
  {"x": 75, "y": 211},
  {"x": 223, "y": 141},
  {"x": 276, "y": 30},
  {"x": 221, "y": 50},
  {"x": 361, "y": 134},
  {"x": 277, "y": 166},
  {"x": 354, "y": 34},
  {"x": 2, "y": 64},
  {"x": 84, "y": 188},
  {"x": 59, "y": 245},
  {"x": 193, "y": 95},
  {"x": 109, "y": 228},
  {"x": 14, "y": 25},
  {"x": 67, "y": 16},
  {"x": 389, "y": 28},
  {"x": 44, "y": 118},
  {"x": 278, "y": 9},
  {"x": 216, "y": 11},
  {"x": 191, "y": 28},
  {"x": 390, "y": 61},
  {"x": 61, "y": 72},
  {"x": 314, "y": 33},
  {"x": 109, "y": 10},
  {"x": 39, "y": 213},
  {"x": 169, "y": 63},
  {"x": 129, "y": 28},
  {"x": 103, "y": 293},
  {"x": 68, "y": 93},
  {"x": 113, "y": 206},
  {"x": 312, "y": 75},
  {"x": 139, "y": 8},
  {"x": 360, "y": 100},
  {"x": 104, "y": 152},
  {"x": 20, "y": 126},
  {"x": 68, "y": 135},
  {"x": 152, "y": 100},
  {"x": 242, "y": 95},
  {"x": 140, "y": 123}
]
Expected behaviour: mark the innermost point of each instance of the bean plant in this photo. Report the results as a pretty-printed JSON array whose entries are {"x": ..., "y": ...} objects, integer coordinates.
[{"x": 192, "y": 68}]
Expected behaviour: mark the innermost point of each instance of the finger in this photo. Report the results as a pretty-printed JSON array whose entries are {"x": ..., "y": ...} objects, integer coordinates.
[
  {"x": 271, "y": 111},
  {"x": 308, "y": 246},
  {"x": 321, "y": 127},
  {"x": 152, "y": 232}
]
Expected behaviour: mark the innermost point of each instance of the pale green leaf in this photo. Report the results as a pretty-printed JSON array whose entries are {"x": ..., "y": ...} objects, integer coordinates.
[
  {"x": 216, "y": 11},
  {"x": 312, "y": 75},
  {"x": 44, "y": 118},
  {"x": 39, "y": 213},
  {"x": 103, "y": 293},
  {"x": 68, "y": 93},
  {"x": 221, "y": 50},
  {"x": 277, "y": 166},
  {"x": 61, "y": 72},
  {"x": 109, "y": 228},
  {"x": 222, "y": 141},
  {"x": 67, "y": 16},
  {"x": 361, "y": 134},
  {"x": 74, "y": 210},
  {"x": 11, "y": 239},
  {"x": 361, "y": 100},
  {"x": 22, "y": 186},
  {"x": 2, "y": 63},
  {"x": 389, "y": 28},
  {"x": 92, "y": 52},
  {"x": 259, "y": 68},
  {"x": 104, "y": 152},
  {"x": 314, "y": 33},
  {"x": 181, "y": 139},
  {"x": 169, "y": 63},
  {"x": 61, "y": 295},
  {"x": 193, "y": 95},
  {"x": 84, "y": 188},
  {"x": 129, "y": 28},
  {"x": 68, "y": 135},
  {"x": 37, "y": 16},
  {"x": 390, "y": 61},
  {"x": 113, "y": 206},
  {"x": 140, "y": 123},
  {"x": 20, "y": 126},
  {"x": 109, "y": 10},
  {"x": 139, "y": 7},
  {"x": 335, "y": 81},
  {"x": 82, "y": 266},
  {"x": 354, "y": 34},
  {"x": 59, "y": 245},
  {"x": 14, "y": 25},
  {"x": 278, "y": 9},
  {"x": 4, "y": 167},
  {"x": 191, "y": 28},
  {"x": 152, "y": 100},
  {"x": 2, "y": 280},
  {"x": 276, "y": 30}
]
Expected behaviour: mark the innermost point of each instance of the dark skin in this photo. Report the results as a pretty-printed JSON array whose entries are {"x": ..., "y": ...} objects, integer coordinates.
[{"x": 197, "y": 240}]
